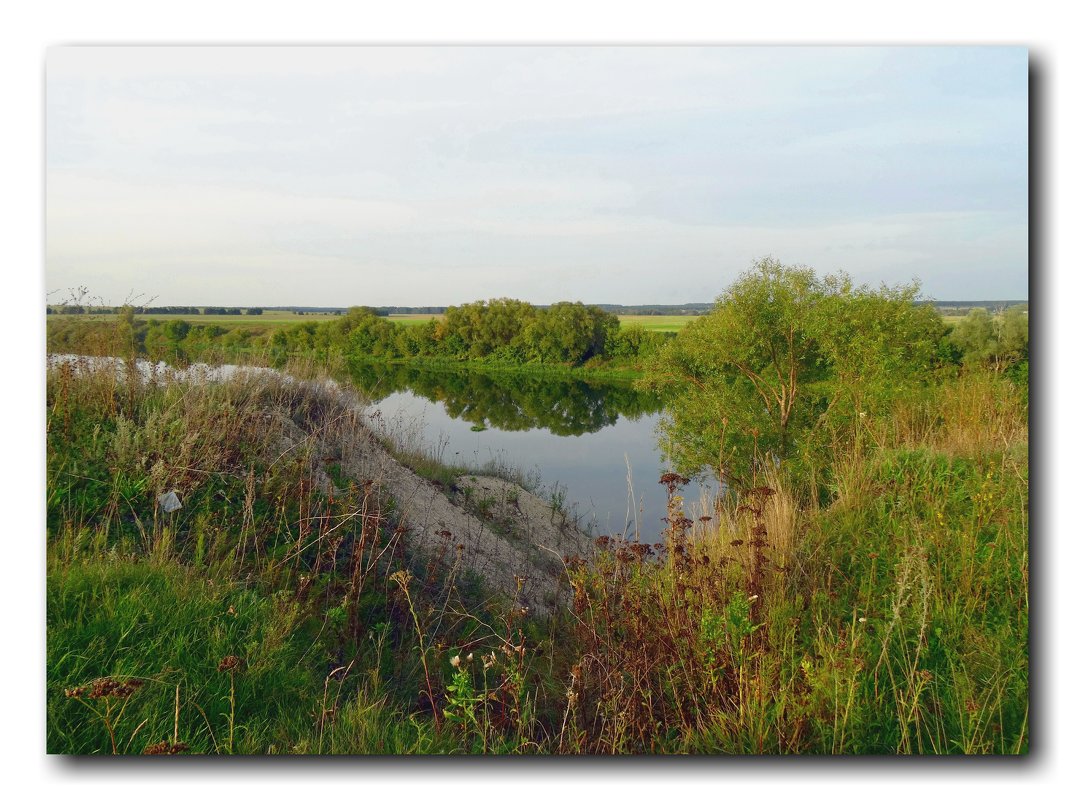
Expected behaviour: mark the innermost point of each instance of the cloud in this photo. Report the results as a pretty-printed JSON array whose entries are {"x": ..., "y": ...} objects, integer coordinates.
[{"x": 604, "y": 174}]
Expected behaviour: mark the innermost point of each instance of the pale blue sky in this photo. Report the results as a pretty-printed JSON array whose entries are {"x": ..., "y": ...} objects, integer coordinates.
[{"x": 415, "y": 176}]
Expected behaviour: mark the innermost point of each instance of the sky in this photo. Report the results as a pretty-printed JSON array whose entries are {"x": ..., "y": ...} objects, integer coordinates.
[{"x": 340, "y": 176}]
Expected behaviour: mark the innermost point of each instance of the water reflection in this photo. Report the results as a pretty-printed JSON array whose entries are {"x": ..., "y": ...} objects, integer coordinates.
[
  {"x": 512, "y": 401},
  {"x": 594, "y": 441}
]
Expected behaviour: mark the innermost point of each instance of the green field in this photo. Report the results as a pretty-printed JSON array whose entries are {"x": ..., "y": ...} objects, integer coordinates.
[
  {"x": 650, "y": 322},
  {"x": 414, "y": 319},
  {"x": 658, "y": 322}
]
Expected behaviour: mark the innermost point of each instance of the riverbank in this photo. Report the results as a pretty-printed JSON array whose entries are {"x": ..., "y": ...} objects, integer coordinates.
[
  {"x": 305, "y": 598},
  {"x": 497, "y": 540}
]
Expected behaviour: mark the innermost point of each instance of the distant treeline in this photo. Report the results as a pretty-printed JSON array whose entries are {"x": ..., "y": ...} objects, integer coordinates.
[
  {"x": 960, "y": 307},
  {"x": 496, "y": 332},
  {"x": 186, "y": 310}
]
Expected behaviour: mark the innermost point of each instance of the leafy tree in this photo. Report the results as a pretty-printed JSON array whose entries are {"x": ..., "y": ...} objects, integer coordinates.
[
  {"x": 780, "y": 348},
  {"x": 877, "y": 343},
  {"x": 369, "y": 335},
  {"x": 995, "y": 341},
  {"x": 177, "y": 330},
  {"x": 477, "y": 330},
  {"x": 568, "y": 333}
]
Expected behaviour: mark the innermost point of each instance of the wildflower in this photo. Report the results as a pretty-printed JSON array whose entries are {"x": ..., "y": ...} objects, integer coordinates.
[
  {"x": 862, "y": 620},
  {"x": 454, "y": 661},
  {"x": 470, "y": 658}
]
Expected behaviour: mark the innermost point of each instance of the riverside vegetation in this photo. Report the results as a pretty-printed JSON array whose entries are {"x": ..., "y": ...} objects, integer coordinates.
[
  {"x": 862, "y": 585},
  {"x": 501, "y": 333}
]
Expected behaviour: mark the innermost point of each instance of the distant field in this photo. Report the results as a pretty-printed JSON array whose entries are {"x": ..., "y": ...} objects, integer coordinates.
[
  {"x": 658, "y": 322},
  {"x": 413, "y": 319}
]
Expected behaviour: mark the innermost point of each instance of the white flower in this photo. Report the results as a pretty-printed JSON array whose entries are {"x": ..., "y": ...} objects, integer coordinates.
[
  {"x": 454, "y": 661},
  {"x": 862, "y": 620}
]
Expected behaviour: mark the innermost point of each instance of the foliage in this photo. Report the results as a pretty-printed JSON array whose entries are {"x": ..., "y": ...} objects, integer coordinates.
[
  {"x": 510, "y": 400},
  {"x": 781, "y": 351},
  {"x": 893, "y": 619},
  {"x": 998, "y": 342}
]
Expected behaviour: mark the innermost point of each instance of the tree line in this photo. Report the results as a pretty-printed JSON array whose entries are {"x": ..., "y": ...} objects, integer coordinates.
[
  {"x": 503, "y": 331},
  {"x": 75, "y": 308},
  {"x": 788, "y": 360}
]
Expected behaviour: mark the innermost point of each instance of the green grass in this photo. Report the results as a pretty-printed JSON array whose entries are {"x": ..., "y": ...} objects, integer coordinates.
[{"x": 298, "y": 584}]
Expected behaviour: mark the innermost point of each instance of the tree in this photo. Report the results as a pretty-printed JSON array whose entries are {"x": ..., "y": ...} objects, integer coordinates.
[
  {"x": 994, "y": 341},
  {"x": 780, "y": 348},
  {"x": 744, "y": 365},
  {"x": 568, "y": 333}
]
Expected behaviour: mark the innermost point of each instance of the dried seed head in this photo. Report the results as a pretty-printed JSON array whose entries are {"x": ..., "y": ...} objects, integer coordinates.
[
  {"x": 164, "y": 747},
  {"x": 402, "y": 578},
  {"x": 230, "y": 664}
]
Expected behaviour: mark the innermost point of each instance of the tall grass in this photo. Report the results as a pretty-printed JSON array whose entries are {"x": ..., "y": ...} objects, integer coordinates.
[{"x": 892, "y": 619}]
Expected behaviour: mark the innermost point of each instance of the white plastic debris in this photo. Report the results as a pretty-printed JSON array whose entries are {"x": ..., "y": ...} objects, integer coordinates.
[{"x": 169, "y": 502}]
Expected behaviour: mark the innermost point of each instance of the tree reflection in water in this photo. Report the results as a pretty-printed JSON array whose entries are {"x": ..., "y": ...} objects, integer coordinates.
[{"x": 511, "y": 401}]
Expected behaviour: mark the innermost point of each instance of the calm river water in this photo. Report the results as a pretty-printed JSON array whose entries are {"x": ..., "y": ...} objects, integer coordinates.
[{"x": 592, "y": 443}]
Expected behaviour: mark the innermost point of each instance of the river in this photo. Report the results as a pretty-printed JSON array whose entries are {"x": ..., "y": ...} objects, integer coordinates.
[{"x": 591, "y": 444}]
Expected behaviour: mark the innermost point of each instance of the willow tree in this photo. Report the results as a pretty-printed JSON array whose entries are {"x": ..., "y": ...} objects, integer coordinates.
[
  {"x": 994, "y": 340},
  {"x": 781, "y": 347},
  {"x": 741, "y": 374}
]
